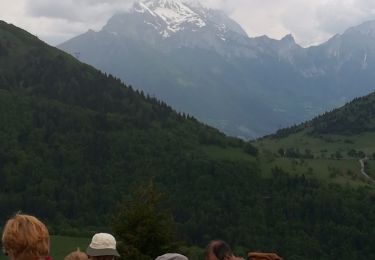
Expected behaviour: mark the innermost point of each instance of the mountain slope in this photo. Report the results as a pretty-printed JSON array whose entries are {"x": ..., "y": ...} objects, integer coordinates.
[
  {"x": 203, "y": 63},
  {"x": 343, "y": 65},
  {"x": 63, "y": 122}
]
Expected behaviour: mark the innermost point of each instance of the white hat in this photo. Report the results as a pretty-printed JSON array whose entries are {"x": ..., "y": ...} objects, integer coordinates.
[
  {"x": 102, "y": 244},
  {"x": 171, "y": 256}
]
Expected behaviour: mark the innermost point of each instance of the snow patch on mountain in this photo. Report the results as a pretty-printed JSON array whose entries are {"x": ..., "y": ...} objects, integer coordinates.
[
  {"x": 142, "y": 8},
  {"x": 174, "y": 14}
]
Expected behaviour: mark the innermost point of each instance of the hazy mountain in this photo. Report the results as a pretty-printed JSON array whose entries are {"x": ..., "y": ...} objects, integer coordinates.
[
  {"x": 203, "y": 63},
  {"x": 343, "y": 66}
]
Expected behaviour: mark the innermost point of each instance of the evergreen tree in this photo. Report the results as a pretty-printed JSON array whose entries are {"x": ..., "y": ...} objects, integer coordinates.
[{"x": 143, "y": 228}]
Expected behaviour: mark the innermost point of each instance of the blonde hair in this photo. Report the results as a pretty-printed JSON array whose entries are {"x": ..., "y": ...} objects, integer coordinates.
[
  {"x": 25, "y": 237},
  {"x": 76, "y": 255}
]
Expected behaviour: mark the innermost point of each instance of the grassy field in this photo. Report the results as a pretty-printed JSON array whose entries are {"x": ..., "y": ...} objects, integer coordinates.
[
  {"x": 327, "y": 144},
  {"x": 61, "y": 246},
  {"x": 325, "y": 165}
]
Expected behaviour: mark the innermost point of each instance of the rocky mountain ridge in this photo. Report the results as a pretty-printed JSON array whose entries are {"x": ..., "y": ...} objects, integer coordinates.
[{"x": 203, "y": 63}]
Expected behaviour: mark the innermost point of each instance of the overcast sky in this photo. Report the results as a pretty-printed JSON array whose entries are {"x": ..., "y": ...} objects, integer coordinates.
[{"x": 309, "y": 21}]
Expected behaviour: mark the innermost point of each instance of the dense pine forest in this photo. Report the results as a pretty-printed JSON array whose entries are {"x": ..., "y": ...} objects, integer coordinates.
[{"x": 75, "y": 143}]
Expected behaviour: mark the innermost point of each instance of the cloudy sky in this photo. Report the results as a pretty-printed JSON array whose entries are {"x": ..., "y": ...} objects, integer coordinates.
[{"x": 310, "y": 21}]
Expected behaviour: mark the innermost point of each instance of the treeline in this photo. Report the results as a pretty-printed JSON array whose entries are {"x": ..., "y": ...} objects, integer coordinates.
[{"x": 296, "y": 153}]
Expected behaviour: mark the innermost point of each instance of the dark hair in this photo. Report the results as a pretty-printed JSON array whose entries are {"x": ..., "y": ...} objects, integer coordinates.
[
  {"x": 102, "y": 257},
  {"x": 219, "y": 248}
]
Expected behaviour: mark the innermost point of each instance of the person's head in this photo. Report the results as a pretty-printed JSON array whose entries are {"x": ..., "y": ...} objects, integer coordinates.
[
  {"x": 102, "y": 257},
  {"x": 76, "y": 255},
  {"x": 263, "y": 256},
  {"x": 102, "y": 247},
  {"x": 171, "y": 256},
  {"x": 25, "y": 237},
  {"x": 218, "y": 250}
]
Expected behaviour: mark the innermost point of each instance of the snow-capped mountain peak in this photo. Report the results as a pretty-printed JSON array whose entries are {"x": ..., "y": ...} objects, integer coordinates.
[
  {"x": 173, "y": 13},
  {"x": 171, "y": 24}
]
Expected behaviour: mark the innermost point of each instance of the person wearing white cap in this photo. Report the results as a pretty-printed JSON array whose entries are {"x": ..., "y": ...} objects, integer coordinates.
[
  {"x": 103, "y": 247},
  {"x": 171, "y": 256}
]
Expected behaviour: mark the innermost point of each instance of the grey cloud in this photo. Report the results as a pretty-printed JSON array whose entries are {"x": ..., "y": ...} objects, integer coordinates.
[
  {"x": 336, "y": 17},
  {"x": 65, "y": 19},
  {"x": 310, "y": 21},
  {"x": 58, "y": 9},
  {"x": 76, "y": 10}
]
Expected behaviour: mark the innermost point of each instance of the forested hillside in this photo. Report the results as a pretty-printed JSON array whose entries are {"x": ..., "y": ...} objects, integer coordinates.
[
  {"x": 356, "y": 117},
  {"x": 71, "y": 129},
  {"x": 75, "y": 142}
]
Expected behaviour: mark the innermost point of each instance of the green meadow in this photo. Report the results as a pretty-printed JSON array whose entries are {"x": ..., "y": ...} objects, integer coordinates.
[
  {"x": 331, "y": 161},
  {"x": 227, "y": 153}
]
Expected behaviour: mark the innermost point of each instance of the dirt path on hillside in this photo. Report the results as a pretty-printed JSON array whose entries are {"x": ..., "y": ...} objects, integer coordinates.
[{"x": 362, "y": 163}]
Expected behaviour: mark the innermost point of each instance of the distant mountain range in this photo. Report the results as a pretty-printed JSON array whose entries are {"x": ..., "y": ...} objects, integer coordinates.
[{"x": 203, "y": 63}]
